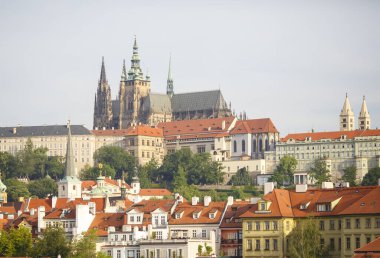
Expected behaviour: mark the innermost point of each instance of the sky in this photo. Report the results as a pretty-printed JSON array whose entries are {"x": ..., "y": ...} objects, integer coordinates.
[{"x": 292, "y": 61}]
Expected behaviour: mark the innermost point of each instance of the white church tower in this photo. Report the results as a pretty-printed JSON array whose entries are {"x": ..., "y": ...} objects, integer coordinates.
[
  {"x": 364, "y": 121},
  {"x": 347, "y": 119},
  {"x": 70, "y": 186}
]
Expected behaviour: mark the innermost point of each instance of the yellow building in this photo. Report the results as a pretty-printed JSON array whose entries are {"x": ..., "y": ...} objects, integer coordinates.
[{"x": 348, "y": 219}]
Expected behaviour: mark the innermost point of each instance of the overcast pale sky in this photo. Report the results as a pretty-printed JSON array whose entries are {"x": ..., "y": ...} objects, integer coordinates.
[{"x": 292, "y": 61}]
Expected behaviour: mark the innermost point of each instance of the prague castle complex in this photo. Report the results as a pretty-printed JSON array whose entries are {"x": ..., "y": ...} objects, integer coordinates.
[{"x": 136, "y": 104}]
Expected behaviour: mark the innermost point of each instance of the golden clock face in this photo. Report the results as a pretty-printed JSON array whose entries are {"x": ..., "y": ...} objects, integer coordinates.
[{"x": 100, "y": 165}]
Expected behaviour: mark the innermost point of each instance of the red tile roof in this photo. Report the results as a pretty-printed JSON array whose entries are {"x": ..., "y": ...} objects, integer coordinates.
[
  {"x": 155, "y": 192},
  {"x": 262, "y": 125},
  {"x": 335, "y": 135},
  {"x": 88, "y": 184},
  {"x": 188, "y": 209},
  {"x": 102, "y": 221},
  {"x": 372, "y": 248},
  {"x": 143, "y": 130},
  {"x": 232, "y": 218},
  {"x": 353, "y": 200},
  {"x": 196, "y": 128}
]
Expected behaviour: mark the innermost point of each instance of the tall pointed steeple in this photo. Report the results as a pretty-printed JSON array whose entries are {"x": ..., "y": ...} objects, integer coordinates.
[
  {"x": 170, "y": 82},
  {"x": 347, "y": 119},
  {"x": 135, "y": 72},
  {"x": 69, "y": 166},
  {"x": 103, "y": 78},
  {"x": 364, "y": 118}
]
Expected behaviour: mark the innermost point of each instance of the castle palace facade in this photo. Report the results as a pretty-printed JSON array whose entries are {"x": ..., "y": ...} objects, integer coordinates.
[{"x": 136, "y": 104}]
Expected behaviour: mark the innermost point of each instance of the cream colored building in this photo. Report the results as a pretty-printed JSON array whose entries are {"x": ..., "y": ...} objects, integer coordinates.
[
  {"x": 342, "y": 149},
  {"x": 52, "y": 137},
  {"x": 141, "y": 141}
]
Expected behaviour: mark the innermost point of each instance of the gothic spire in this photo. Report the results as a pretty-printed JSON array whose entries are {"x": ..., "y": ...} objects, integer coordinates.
[
  {"x": 123, "y": 72},
  {"x": 170, "y": 82},
  {"x": 135, "y": 72},
  {"x": 103, "y": 78},
  {"x": 346, "y": 110},
  {"x": 69, "y": 166},
  {"x": 364, "y": 111}
]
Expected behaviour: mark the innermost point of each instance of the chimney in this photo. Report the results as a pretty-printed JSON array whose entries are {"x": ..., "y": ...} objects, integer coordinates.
[
  {"x": 14, "y": 130},
  {"x": 230, "y": 200},
  {"x": 40, "y": 218},
  {"x": 223, "y": 124},
  {"x": 104, "y": 128},
  {"x": 53, "y": 201},
  {"x": 32, "y": 212},
  {"x": 254, "y": 200},
  {"x": 119, "y": 182},
  {"x": 96, "y": 128},
  {"x": 1, "y": 216},
  {"x": 268, "y": 187},
  {"x": 194, "y": 200},
  {"x": 92, "y": 207},
  {"x": 301, "y": 188},
  {"x": 327, "y": 185},
  {"x": 378, "y": 183},
  {"x": 206, "y": 201}
]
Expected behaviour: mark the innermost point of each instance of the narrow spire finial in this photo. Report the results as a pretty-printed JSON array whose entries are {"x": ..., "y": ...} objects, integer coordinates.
[
  {"x": 170, "y": 82},
  {"x": 103, "y": 78}
]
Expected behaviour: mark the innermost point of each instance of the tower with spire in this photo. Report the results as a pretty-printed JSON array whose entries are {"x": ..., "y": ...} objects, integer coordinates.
[
  {"x": 70, "y": 186},
  {"x": 103, "y": 103},
  {"x": 347, "y": 119},
  {"x": 133, "y": 88},
  {"x": 169, "y": 82},
  {"x": 364, "y": 121}
]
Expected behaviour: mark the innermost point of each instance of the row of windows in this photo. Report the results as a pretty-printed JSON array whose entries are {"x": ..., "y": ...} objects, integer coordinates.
[
  {"x": 357, "y": 224},
  {"x": 266, "y": 225},
  {"x": 260, "y": 245}
]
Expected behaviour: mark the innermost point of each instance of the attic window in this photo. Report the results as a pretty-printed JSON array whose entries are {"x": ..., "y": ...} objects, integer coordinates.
[
  {"x": 196, "y": 214},
  {"x": 324, "y": 207},
  {"x": 263, "y": 206},
  {"x": 304, "y": 206}
]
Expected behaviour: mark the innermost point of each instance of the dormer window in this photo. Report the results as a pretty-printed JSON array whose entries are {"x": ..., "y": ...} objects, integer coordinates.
[
  {"x": 263, "y": 206},
  {"x": 212, "y": 214},
  {"x": 324, "y": 207},
  {"x": 327, "y": 204},
  {"x": 304, "y": 206},
  {"x": 196, "y": 214}
]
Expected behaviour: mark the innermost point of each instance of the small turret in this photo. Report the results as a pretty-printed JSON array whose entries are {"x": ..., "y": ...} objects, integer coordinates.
[
  {"x": 170, "y": 82},
  {"x": 347, "y": 119}
]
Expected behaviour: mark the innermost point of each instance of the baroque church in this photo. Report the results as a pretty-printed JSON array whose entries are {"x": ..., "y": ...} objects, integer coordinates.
[{"x": 136, "y": 104}]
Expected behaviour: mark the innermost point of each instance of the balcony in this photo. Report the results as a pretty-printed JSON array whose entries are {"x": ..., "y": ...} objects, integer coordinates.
[{"x": 225, "y": 241}]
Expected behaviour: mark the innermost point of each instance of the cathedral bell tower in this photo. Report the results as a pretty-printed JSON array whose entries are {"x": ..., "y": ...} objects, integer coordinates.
[
  {"x": 347, "y": 119},
  {"x": 103, "y": 102},
  {"x": 364, "y": 118},
  {"x": 133, "y": 88}
]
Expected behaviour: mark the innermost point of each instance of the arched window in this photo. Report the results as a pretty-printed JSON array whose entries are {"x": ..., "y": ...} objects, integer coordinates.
[
  {"x": 243, "y": 146},
  {"x": 254, "y": 145},
  {"x": 235, "y": 146}
]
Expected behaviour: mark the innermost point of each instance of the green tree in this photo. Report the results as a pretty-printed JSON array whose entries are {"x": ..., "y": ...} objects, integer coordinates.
[
  {"x": 43, "y": 187},
  {"x": 188, "y": 191},
  {"x": 304, "y": 240},
  {"x": 117, "y": 158},
  {"x": 238, "y": 193},
  {"x": 180, "y": 179},
  {"x": 372, "y": 177},
  {"x": 55, "y": 167},
  {"x": 91, "y": 173},
  {"x": 17, "y": 242},
  {"x": 283, "y": 174},
  {"x": 350, "y": 175},
  {"x": 16, "y": 189},
  {"x": 85, "y": 247},
  {"x": 8, "y": 165},
  {"x": 146, "y": 172},
  {"x": 202, "y": 170},
  {"x": 242, "y": 177},
  {"x": 319, "y": 172},
  {"x": 53, "y": 242}
]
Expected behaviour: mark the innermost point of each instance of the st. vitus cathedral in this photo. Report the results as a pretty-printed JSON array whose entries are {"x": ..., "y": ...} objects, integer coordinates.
[{"x": 136, "y": 104}]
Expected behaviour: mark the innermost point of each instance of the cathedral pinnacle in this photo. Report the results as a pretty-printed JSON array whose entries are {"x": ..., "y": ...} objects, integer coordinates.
[
  {"x": 135, "y": 72},
  {"x": 123, "y": 72},
  {"x": 170, "y": 82},
  {"x": 103, "y": 78}
]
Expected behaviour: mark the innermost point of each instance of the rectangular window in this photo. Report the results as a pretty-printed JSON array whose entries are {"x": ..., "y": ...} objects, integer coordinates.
[
  {"x": 249, "y": 244},
  {"x": 332, "y": 244},
  {"x": 267, "y": 225},
  {"x": 249, "y": 225},
  {"x": 368, "y": 223},
  {"x": 201, "y": 148},
  {"x": 287, "y": 226},
  {"x": 159, "y": 235},
  {"x": 275, "y": 245},
  {"x": 267, "y": 244},
  {"x": 339, "y": 244},
  {"x": 275, "y": 225},
  {"x": 357, "y": 242},
  {"x": 194, "y": 233},
  {"x": 339, "y": 224},
  {"x": 348, "y": 223},
  {"x": 204, "y": 233},
  {"x": 348, "y": 243},
  {"x": 118, "y": 254},
  {"x": 357, "y": 223},
  {"x": 257, "y": 225},
  {"x": 257, "y": 248},
  {"x": 332, "y": 224},
  {"x": 377, "y": 222},
  {"x": 321, "y": 225},
  {"x": 322, "y": 242}
]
